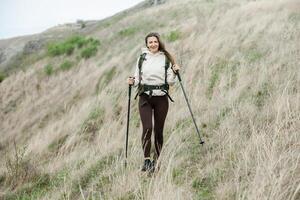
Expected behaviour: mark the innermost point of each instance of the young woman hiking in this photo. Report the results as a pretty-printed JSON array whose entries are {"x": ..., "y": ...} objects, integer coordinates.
[{"x": 155, "y": 71}]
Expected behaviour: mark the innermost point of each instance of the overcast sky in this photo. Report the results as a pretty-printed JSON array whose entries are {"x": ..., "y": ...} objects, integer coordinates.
[{"x": 22, "y": 17}]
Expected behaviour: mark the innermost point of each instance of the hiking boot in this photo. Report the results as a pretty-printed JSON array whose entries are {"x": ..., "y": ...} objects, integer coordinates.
[
  {"x": 147, "y": 165},
  {"x": 152, "y": 168}
]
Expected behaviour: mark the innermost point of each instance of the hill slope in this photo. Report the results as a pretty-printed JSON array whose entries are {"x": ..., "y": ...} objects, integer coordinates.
[{"x": 63, "y": 132}]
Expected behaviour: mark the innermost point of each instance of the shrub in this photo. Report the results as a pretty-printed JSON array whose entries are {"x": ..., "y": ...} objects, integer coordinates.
[
  {"x": 82, "y": 23},
  {"x": 81, "y": 42},
  {"x": 66, "y": 65},
  {"x": 69, "y": 45},
  {"x": 127, "y": 32},
  {"x": 89, "y": 52},
  {"x": 2, "y": 76},
  {"x": 55, "y": 49},
  {"x": 173, "y": 36},
  {"x": 77, "y": 40},
  {"x": 69, "y": 48},
  {"x": 48, "y": 69},
  {"x": 93, "y": 42},
  {"x": 19, "y": 168}
]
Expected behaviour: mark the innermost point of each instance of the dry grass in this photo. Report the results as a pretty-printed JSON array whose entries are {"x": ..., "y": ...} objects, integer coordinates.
[{"x": 240, "y": 63}]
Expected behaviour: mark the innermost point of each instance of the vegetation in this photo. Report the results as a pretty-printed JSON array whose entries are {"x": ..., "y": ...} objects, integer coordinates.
[
  {"x": 68, "y": 46},
  {"x": 128, "y": 32},
  {"x": 173, "y": 36},
  {"x": 66, "y": 65},
  {"x": 48, "y": 69},
  {"x": 242, "y": 81},
  {"x": 105, "y": 79},
  {"x": 2, "y": 76}
]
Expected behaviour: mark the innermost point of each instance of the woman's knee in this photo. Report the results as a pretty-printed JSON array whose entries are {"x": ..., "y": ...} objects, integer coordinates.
[
  {"x": 147, "y": 133},
  {"x": 159, "y": 138}
]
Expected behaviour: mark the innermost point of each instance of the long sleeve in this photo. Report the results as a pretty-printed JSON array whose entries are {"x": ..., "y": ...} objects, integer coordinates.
[
  {"x": 136, "y": 74},
  {"x": 153, "y": 72},
  {"x": 171, "y": 76}
]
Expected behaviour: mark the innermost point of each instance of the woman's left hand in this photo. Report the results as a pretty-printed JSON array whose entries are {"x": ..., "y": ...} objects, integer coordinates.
[{"x": 175, "y": 68}]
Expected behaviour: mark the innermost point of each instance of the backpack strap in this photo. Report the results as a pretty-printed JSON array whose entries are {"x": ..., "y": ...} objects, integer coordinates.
[
  {"x": 141, "y": 88},
  {"x": 140, "y": 64},
  {"x": 167, "y": 65}
]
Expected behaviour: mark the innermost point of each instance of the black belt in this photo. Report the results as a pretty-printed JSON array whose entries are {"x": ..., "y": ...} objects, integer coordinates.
[
  {"x": 156, "y": 87},
  {"x": 144, "y": 88}
]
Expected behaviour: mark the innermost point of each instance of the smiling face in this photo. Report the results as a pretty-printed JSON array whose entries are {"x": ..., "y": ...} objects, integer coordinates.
[{"x": 153, "y": 44}]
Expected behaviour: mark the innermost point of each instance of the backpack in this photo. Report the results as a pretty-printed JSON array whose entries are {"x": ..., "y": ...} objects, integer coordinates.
[{"x": 143, "y": 87}]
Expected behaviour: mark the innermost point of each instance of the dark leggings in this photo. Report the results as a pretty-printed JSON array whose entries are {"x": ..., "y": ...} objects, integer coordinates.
[{"x": 159, "y": 105}]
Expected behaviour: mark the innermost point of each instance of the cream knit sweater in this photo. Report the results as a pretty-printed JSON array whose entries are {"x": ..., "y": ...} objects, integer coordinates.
[{"x": 153, "y": 71}]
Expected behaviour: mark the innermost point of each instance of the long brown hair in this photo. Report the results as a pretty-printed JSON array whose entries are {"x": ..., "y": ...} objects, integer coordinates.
[{"x": 161, "y": 46}]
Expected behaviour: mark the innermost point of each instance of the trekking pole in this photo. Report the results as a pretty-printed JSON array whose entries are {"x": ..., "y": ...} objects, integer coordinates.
[
  {"x": 127, "y": 130},
  {"x": 186, "y": 99}
]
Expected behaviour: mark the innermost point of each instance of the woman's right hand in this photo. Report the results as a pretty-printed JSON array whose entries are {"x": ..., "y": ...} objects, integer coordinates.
[{"x": 130, "y": 80}]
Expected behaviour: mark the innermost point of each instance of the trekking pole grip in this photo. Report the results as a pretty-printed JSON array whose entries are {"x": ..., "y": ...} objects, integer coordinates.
[{"x": 129, "y": 91}]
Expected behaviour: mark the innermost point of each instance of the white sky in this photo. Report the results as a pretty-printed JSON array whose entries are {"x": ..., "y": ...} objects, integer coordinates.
[{"x": 22, "y": 17}]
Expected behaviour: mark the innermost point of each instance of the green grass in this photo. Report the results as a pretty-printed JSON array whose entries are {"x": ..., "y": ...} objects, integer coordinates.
[
  {"x": 261, "y": 95},
  {"x": 66, "y": 65},
  {"x": 173, "y": 36},
  {"x": 93, "y": 123},
  {"x": 232, "y": 74},
  {"x": 38, "y": 187},
  {"x": 57, "y": 144},
  {"x": 183, "y": 123},
  {"x": 69, "y": 45},
  {"x": 65, "y": 47},
  {"x": 294, "y": 17},
  {"x": 89, "y": 52},
  {"x": 128, "y": 32},
  {"x": 56, "y": 49},
  {"x": 216, "y": 70},
  {"x": 203, "y": 188},
  {"x": 253, "y": 54},
  {"x": 222, "y": 67},
  {"x": 216, "y": 122},
  {"x": 2, "y": 179},
  {"x": 128, "y": 196},
  {"x": 177, "y": 175},
  {"x": 94, "y": 172},
  {"x": 2, "y": 76},
  {"x": 48, "y": 69},
  {"x": 31, "y": 190}
]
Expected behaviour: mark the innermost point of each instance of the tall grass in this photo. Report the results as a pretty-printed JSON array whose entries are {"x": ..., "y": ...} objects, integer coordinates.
[{"x": 240, "y": 70}]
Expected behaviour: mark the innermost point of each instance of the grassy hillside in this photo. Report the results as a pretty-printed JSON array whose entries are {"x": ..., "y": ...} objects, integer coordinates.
[{"x": 63, "y": 118}]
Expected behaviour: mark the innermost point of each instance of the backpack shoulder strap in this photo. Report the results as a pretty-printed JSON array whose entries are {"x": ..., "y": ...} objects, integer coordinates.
[
  {"x": 140, "y": 64},
  {"x": 141, "y": 60}
]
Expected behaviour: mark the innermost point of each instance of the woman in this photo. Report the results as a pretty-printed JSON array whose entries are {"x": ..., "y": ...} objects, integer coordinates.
[{"x": 153, "y": 75}]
